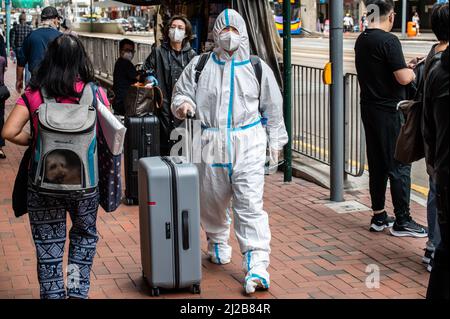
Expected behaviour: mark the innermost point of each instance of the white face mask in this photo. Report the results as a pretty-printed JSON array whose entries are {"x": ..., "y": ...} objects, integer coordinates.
[
  {"x": 127, "y": 56},
  {"x": 229, "y": 41},
  {"x": 177, "y": 35}
]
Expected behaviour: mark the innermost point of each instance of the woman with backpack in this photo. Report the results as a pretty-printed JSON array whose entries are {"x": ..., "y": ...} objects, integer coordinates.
[{"x": 59, "y": 182}]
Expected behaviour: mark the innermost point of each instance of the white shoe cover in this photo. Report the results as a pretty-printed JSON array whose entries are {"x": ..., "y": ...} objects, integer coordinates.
[
  {"x": 219, "y": 253},
  {"x": 256, "y": 279},
  {"x": 255, "y": 264}
]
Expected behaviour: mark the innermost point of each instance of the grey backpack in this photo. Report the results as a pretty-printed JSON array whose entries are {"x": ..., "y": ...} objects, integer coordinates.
[{"x": 65, "y": 152}]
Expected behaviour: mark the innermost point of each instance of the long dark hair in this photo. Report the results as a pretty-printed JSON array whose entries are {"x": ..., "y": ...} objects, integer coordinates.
[
  {"x": 189, "y": 34},
  {"x": 65, "y": 63}
]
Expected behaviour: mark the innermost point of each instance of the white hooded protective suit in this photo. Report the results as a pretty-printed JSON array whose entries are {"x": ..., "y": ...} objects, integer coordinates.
[{"x": 230, "y": 104}]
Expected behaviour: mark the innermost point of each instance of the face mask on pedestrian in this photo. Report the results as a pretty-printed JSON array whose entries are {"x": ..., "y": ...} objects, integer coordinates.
[
  {"x": 229, "y": 41},
  {"x": 127, "y": 55},
  {"x": 177, "y": 35}
]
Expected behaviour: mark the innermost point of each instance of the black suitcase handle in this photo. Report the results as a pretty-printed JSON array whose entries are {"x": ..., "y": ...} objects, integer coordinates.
[
  {"x": 185, "y": 229},
  {"x": 148, "y": 138}
]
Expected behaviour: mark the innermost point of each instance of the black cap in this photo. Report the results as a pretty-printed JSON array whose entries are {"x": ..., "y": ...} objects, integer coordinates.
[{"x": 50, "y": 13}]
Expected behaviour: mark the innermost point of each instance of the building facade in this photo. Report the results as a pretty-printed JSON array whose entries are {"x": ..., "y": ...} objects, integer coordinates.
[
  {"x": 314, "y": 12},
  {"x": 423, "y": 7}
]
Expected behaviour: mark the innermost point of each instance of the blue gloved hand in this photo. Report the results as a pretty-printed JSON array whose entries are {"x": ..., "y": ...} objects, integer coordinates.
[{"x": 152, "y": 80}]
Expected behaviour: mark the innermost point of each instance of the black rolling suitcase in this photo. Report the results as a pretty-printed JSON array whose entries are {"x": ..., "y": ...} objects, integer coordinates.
[{"x": 142, "y": 140}]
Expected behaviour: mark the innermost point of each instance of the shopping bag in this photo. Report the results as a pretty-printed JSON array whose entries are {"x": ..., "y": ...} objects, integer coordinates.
[
  {"x": 109, "y": 155},
  {"x": 409, "y": 147},
  {"x": 112, "y": 128},
  {"x": 142, "y": 100},
  {"x": 20, "y": 189},
  {"x": 110, "y": 179}
]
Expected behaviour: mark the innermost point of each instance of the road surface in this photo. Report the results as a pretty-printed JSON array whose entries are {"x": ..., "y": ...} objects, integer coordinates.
[{"x": 315, "y": 51}]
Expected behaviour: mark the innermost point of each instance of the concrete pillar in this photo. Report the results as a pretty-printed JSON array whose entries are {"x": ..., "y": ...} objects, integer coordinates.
[{"x": 309, "y": 14}]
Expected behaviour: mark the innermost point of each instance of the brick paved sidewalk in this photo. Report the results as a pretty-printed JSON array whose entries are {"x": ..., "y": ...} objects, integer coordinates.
[{"x": 316, "y": 253}]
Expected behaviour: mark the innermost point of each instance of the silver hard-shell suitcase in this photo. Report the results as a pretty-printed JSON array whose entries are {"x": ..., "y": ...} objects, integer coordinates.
[{"x": 169, "y": 220}]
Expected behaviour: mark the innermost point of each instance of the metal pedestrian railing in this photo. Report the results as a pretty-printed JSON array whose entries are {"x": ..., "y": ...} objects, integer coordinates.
[
  {"x": 311, "y": 119},
  {"x": 311, "y": 113},
  {"x": 355, "y": 141},
  {"x": 104, "y": 53}
]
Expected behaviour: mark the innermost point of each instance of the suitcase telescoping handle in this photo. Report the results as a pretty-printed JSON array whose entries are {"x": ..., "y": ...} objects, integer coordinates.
[{"x": 189, "y": 136}]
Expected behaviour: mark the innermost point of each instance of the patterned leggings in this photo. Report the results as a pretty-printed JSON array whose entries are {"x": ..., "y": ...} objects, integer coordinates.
[{"x": 48, "y": 226}]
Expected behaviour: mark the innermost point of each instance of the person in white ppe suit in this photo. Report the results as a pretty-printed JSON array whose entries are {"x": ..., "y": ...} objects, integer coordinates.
[{"x": 230, "y": 103}]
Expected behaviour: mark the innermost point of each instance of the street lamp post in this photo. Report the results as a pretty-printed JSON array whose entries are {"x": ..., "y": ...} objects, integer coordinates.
[
  {"x": 404, "y": 4},
  {"x": 8, "y": 23},
  {"x": 91, "y": 18}
]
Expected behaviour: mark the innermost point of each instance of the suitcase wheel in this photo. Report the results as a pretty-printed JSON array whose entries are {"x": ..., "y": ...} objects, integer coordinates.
[
  {"x": 155, "y": 292},
  {"x": 129, "y": 201},
  {"x": 195, "y": 289}
]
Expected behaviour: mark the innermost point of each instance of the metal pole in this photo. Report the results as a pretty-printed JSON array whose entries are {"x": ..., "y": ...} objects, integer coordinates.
[
  {"x": 8, "y": 23},
  {"x": 337, "y": 101},
  {"x": 404, "y": 4},
  {"x": 287, "y": 103},
  {"x": 91, "y": 19}
]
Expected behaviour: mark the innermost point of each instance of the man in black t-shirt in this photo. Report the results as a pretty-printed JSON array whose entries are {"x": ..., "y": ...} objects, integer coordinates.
[
  {"x": 124, "y": 76},
  {"x": 383, "y": 76}
]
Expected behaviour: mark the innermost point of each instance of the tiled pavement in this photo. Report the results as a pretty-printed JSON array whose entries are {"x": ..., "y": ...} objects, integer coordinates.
[{"x": 316, "y": 253}]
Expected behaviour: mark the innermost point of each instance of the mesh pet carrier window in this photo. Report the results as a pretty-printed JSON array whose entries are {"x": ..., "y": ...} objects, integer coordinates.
[{"x": 62, "y": 167}]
